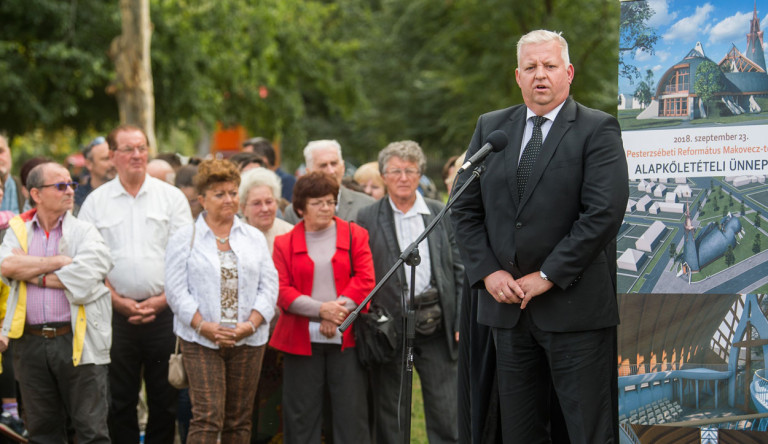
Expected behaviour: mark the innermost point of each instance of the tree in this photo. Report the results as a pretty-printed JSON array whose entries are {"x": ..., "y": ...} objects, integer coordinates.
[
  {"x": 743, "y": 209},
  {"x": 672, "y": 251},
  {"x": 133, "y": 85},
  {"x": 644, "y": 91},
  {"x": 730, "y": 259},
  {"x": 756, "y": 247},
  {"x": 709, "y": 81},
  {"x": 54, "y": 64},
  {"x": 636, "y": 36},
  {"x": 757, "y": 219}
]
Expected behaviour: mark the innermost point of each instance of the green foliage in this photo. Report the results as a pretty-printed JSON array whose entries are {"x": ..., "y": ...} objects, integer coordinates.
[
  {"x": 364, "y": 72},
  {"x": 757, "y": 219},
  {"x": 644, "y": 91},
  {"x": 730, "y": 259},
  {"x": 709, "y": 80},
  {"x": 636, "y": 35},
  {"x": 756, "y": 247},
  {"x": 53, "y": 56},
  {"x": 268, "y": 66}
]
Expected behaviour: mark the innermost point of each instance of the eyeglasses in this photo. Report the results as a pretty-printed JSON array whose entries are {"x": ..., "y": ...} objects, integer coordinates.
[
  {"x": 61, "y": 186},
  {"x": 322, "y": 203},
  {"x": 130, "y": 149},
  {"x": 398, "y": 172}
]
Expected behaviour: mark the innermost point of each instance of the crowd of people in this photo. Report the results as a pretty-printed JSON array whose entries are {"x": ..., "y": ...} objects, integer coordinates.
[
  {"x": 249, "y": 268},
  {"x": 250, "y": 271}
]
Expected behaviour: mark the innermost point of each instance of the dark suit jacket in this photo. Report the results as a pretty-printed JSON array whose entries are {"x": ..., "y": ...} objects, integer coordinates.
[
  {"x": 565, "y": 224},
  {"x": 447, "y": 270}
]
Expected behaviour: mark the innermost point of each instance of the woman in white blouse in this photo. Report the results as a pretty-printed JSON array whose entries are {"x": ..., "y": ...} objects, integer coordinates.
[{"x": 222, "y": 287}]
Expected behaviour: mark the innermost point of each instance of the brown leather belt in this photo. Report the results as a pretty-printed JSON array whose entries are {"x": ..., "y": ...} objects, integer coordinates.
[{"x": 49, "y": 332}]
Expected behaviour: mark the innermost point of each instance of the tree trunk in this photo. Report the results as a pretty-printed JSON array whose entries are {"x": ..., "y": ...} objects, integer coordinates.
[{"x": 130, "y": 52}]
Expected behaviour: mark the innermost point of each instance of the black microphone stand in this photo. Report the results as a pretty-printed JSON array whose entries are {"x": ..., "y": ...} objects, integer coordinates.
[{"x": 411, "y": 257}]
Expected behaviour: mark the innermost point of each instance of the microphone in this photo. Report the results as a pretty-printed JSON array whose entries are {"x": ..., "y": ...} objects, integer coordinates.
[{"x": 495, "y": 142}]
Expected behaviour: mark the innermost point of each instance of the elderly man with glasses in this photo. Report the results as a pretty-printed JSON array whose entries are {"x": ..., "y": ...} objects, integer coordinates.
[
  {"x": 393, "y": 223},
  {"x": 137, "y": 214},
  {"x": 59, "y": 312}
]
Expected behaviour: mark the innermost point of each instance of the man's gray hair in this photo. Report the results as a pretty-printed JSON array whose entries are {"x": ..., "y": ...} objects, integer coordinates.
[
  {"x": 36, "y": 177},
  {"x": 258, "y": 177},
  {"x": 544, "y": 36},
  {"x": 319, "y": 144},
  {"x": 407, "y": 150}
]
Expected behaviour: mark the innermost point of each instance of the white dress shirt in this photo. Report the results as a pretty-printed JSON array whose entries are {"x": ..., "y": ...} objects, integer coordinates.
[
  {"x": 408, "y": 227},
  {"x": 193, "y": 279},
  {"x": 137, "y": 230},
  {"x": 545, "y": 127}
]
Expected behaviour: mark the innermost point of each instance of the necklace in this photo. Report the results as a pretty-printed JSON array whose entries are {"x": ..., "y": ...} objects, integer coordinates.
[{"x": 222, "y": 240}]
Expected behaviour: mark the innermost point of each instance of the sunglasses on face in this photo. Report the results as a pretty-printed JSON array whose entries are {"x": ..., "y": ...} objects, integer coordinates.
[{"x": 61, "y": 186}]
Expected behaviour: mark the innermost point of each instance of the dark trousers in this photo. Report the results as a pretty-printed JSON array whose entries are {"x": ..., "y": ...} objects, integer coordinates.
[
  {"x": 53, "y": 389},
  {"x": 136, "y": 349},
  {"x": 7, "y": 379},
  {"x": 305, "y": 377},
  {"x": 438, "y": 375},
  {"x": 582, "y": 368},
  {"x": 222, "y": 387}
]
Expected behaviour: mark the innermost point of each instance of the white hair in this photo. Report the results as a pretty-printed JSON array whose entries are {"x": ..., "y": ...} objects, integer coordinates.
[
  {"x": 319, "y": 144},
  {"x": 258, "y": 177},
  {"x": 544, "y": 36}
]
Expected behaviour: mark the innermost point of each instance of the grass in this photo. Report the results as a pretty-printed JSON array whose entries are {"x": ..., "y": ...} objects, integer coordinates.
[
  {"x": 628, "y": 120},
  {"x": 418, "y": 423}
]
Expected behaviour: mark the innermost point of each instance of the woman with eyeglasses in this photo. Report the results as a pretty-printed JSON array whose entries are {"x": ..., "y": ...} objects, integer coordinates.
[
  {"x": 221, "y": 285},
  {"x": 326, "y": 270}
]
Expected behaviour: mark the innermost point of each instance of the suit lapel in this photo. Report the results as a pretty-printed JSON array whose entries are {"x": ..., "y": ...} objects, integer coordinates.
[
  {"x": 433, "y": 240},
  {"x": 387, "y": 219},
  {"x": 345, "y": 204},
  {"x": 560, "y": 126},
  {"x": 514, "y": 129}
]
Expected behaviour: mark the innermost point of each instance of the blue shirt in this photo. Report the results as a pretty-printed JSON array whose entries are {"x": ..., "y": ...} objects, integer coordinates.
[{"x": 10, "y": 196}]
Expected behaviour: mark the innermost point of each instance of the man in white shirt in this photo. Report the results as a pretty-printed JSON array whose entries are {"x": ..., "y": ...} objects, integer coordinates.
[
  {"x": 393, "y": 223},
  {"x": 137, "y": 214}
]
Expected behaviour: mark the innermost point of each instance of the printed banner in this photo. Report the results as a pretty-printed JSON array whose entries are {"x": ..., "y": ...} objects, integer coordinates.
[{"x": 692, "y": 252}]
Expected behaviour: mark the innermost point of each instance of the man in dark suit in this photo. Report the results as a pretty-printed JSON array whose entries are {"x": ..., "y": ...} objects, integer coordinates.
[
  {"x": 393, "y": 223},
  {"x": 537, "y": 235}
]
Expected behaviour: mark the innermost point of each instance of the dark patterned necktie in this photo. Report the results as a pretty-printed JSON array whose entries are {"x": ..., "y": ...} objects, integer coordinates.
[{"x": 529, "y": 156}]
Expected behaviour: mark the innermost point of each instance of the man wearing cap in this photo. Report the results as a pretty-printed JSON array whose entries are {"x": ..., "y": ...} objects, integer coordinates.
[
  {"x": 137, "y": 214},
  {"x": 100, "y": 170},
  {"x": 59, "y": 312}
]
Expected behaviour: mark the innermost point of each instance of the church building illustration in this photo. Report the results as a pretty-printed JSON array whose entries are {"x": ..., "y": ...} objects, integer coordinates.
[{"x": 743, "y": 78}]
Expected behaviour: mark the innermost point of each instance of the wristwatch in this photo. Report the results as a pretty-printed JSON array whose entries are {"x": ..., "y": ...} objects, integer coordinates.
[
  {"x": 41, "y": 280},
  {"x": 543, "y": 276}
]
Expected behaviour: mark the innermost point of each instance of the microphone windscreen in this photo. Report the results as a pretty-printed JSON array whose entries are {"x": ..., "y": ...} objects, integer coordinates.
[{"x": 497, "y": 139}]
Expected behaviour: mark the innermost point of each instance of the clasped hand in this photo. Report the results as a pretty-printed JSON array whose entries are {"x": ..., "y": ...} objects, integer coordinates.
[
  {"x": 332, "y": 314},
  {"x": 225, "y": 337},
  {"x": 508, "y": 290},
  {"x": 142, "y": 312}
]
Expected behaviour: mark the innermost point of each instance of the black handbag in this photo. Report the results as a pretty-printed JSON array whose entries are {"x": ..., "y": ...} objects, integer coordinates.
[
  {"x": 375, "y": 333},
  {"x": 375, "y": 337}
]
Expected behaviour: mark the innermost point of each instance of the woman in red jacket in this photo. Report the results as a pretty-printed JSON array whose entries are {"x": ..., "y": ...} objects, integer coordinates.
[{"x": 325, "y": 270}]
